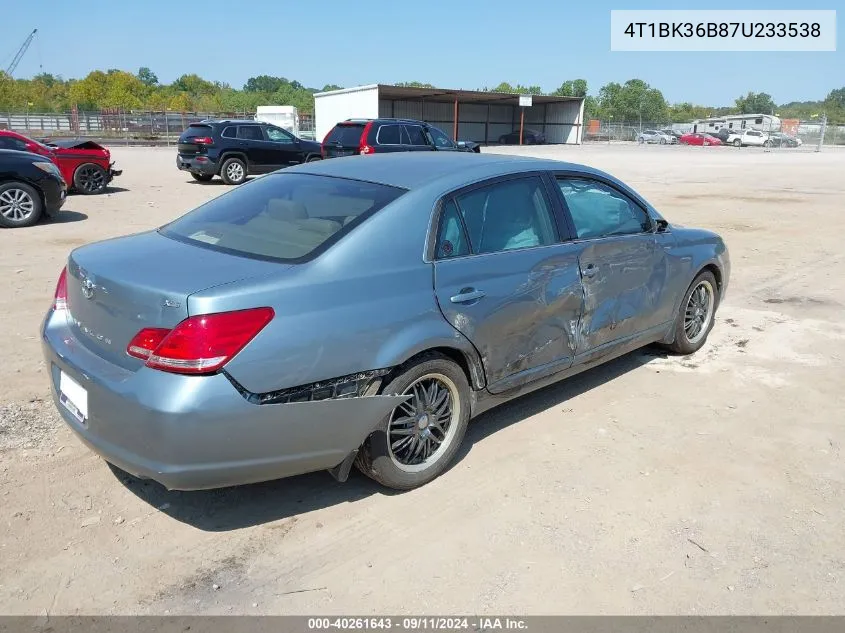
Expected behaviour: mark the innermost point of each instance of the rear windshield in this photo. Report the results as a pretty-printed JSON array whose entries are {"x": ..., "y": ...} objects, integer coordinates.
[
  {"x": 197, "y": 130},
  {"x": 345, "y": 135},
  {"x": 286, "y": 217}
]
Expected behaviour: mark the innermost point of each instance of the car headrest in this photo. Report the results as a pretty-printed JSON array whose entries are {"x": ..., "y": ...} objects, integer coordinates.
[{"x": 281, "y": 209}]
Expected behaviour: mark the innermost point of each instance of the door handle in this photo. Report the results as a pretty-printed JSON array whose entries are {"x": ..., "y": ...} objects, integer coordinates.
[
  {"x": 468, "y": 294},
  {"x": 590, "y": 270}
]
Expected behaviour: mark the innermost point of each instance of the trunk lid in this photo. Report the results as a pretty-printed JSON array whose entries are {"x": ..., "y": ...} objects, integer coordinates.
[
  {"x": 117, "y": 287},
  {"x": 188, "y": 146},
  {"x": 343, "y": 140}
]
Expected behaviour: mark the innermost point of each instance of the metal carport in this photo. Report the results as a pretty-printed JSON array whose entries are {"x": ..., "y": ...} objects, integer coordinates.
[{"x": 469, "y": 115}]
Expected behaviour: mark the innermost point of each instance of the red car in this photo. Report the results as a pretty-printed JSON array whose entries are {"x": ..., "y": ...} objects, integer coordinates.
[
  {"x": 699, "y": 139},
  {"x": 85, "y": 165}
]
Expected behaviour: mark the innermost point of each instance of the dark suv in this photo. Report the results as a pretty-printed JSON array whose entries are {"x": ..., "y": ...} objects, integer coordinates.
[
  {"x": 234, "y": 150},
  {"x": 371, "y": 136}
]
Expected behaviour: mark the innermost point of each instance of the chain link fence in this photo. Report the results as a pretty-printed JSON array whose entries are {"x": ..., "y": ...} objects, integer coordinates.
[
  {"x": 131, "y": 126},
  {"x": 790, "y": 133}
]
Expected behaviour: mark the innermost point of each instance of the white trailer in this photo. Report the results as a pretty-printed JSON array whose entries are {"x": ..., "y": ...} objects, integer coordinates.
[{"x": 285, "y": 117}]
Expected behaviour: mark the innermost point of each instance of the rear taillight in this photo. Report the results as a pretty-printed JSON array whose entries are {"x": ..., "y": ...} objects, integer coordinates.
[
  {"x": 60, "y": 296},
  {"x": 200, "y": 344},
  {"x": 363, "y": 148},
  {"x": 203, "y": 140},
  {"x": 146, "y": 341}
]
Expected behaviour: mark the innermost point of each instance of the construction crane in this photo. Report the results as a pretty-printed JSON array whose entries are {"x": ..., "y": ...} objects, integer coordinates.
[{"x": 19, "y": 55}]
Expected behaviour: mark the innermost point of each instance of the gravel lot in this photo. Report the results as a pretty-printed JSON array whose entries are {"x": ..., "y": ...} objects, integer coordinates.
[{"x": 704, "y": 485}]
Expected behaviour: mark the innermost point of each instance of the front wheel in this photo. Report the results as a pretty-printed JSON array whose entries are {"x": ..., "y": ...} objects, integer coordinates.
[
  {"x": 233, "y": 171},
  {"x": 418, "y": 440},
  {"x": 696, "y": 315},
  {"x": 90, "y": 179},
  {"x": 766, "y": 144},
  {"x": 20, "y": 205},
  {"x": 737, "y": 143}
]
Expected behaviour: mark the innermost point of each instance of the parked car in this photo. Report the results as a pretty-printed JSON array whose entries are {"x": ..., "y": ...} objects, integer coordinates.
[
  {"x": 382, "y": 136},
  {"x": 697, "y": 138},
  {"x": 85, "y": 165},
  {"x": 234, "y": 150},
  {"x": 655, "y": 136},
  {"x": 529, "y": 137},
  {"x": 753, "y": 138},
  {"x": 673, "y": 133},
  {"x": 779, "y": 139},
  {"x": 362, "y": 311},
  {"x": 31, "y": 186}
]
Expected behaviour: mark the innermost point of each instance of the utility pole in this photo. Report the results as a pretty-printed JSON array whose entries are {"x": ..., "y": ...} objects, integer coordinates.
[{"x": 821, "y": 135}]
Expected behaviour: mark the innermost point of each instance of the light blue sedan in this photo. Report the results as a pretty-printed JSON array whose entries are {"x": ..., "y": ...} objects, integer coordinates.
[{"x": 361, "y": 311}]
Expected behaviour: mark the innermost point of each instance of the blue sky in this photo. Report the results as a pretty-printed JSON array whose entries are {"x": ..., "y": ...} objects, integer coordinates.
[{"x": 454, "y": 44}]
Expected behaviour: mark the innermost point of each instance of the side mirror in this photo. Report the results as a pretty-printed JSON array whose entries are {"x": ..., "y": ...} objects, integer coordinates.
[
  {"x": 661, "y": 224},
  {"x": 462, "y": 144}
]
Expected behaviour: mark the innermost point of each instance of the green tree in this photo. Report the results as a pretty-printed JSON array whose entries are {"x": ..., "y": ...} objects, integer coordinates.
[
  {"x": 755, "y": 103},
  {"x": 572, "y": 88},
  {"x": 632, "y": 101},
  {"x": 265, "y": 83},
  {"x": 147, "y": 77}
]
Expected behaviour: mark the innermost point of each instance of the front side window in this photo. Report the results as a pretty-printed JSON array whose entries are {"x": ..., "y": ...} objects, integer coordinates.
[
  {"x": 600, "y": 211},
  {"x": 507, "y": 215},
  {"x": 250, "y": 132},
  {"x": 8, "y": 142},
  {"x": 278, "y": 135},
  {"x": 439, "y": 138},
  {"x": 281, "y": 216}
]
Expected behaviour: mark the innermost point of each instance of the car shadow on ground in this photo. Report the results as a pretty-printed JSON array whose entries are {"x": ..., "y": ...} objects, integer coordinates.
[
  {"x": 215, "y": 181},
  {"x": 245, "y": 506},
  {"x": 64, "y": 217}
]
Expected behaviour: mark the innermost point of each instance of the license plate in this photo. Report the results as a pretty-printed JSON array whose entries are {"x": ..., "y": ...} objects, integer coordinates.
[{"x": 74, "y": 397}]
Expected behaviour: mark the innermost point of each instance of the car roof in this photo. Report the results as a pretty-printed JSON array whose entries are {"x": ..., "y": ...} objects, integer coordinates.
[
  {"x": 227, "y": 121},
  {"x": 382, "y": 120},
  {"x": 414, "y": 170}
]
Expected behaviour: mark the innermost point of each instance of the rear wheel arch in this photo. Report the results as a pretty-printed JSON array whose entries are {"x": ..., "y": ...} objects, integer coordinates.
[
  {"x": 231, "y": 154},
  {"x": 469, "y": 363}
]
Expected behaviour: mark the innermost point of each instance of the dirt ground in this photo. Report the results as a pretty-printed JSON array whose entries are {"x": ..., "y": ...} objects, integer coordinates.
[{"x": 653, "y": 485}]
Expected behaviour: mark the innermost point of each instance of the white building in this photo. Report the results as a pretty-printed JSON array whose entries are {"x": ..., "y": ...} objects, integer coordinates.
[
  {"x": 466, "y": 115},
  {"x": 737, "y": 123}
]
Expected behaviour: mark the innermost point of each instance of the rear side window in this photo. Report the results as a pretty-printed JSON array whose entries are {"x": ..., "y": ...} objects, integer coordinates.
[
  {"x": 416, "y": 135},
  {"x": 284, "y": 217},
  {"x": 345, "y": 135},
  {"x": 451, "y": 238},
  {"x": 389, "y": 135},
  {"x": 507, "y": 215},
  {"x": 250, "y": 132}
]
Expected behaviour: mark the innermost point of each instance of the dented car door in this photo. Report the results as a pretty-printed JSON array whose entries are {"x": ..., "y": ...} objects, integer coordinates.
[{"x": 504, "y": 280}]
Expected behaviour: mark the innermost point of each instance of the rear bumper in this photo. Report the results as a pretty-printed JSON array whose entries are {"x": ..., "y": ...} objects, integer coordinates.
[
  {"x": 198, "y": 432},
  {"x": 197, "y": 164},
  {"x": 113, "y": 173}
]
